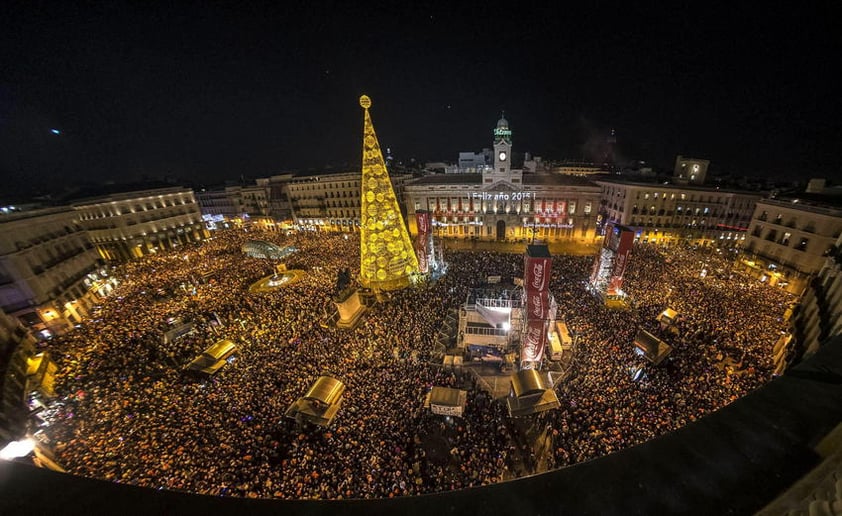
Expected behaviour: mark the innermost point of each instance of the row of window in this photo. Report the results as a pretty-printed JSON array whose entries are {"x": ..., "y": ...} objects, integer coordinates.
[
  {"x": 115, "y": 211},
  {"x": 316, "y": 185},
  {"x": 684, "y": 211},
  {"x": 784, "y": 238},
  {"x": 161, "y": 217},
  {"x": 343, "y": 213},
  {"x": 685, "y": 222},
  {"x": 809, "y": 227},
  {"x": 737, "y": 202},
  {"x": 45, "y": 237},
  {"x": 152, "y": 233},
  {"x": 540, "y": 206},
  {"x": 48, "y": 257}
]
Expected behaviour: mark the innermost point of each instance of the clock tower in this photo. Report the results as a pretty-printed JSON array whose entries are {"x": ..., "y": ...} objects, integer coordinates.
[
  {"x": 502, "y": 147},
  {"x": 502, "y": 168}
]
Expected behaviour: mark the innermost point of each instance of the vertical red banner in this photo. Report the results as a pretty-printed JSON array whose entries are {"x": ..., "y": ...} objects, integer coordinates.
[
  {"x": 536, "y": 277},
  {"x": 595, "y": 268},
  {"x": 424, "y": 224},
  {"x": 536, "y": 286},
  {"x": 625, "y": 241},
  {"x": 538, "y": 306},
  {"x": 533, "y": 341}
]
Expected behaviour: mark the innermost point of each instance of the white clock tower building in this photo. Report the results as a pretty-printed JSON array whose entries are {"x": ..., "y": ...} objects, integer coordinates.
[{"x": 502, "y": 169}]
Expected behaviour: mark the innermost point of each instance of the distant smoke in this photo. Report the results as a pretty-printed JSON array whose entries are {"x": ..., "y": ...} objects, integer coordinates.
[{"x": 596, "y": 145}]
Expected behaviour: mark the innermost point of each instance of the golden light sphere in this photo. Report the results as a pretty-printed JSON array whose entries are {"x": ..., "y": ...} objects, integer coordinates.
[{"x": 365, "y": 102}]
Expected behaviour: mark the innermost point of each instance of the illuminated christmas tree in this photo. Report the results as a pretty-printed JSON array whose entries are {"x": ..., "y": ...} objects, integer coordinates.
[{"x": 387, "y": 258}]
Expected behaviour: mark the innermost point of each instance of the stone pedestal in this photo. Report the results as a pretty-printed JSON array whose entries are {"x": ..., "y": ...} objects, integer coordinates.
[{"x": 350, "y": 308}]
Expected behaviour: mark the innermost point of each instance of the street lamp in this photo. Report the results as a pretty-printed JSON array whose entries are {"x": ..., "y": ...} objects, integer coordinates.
[{"x": 17, "y": 449}]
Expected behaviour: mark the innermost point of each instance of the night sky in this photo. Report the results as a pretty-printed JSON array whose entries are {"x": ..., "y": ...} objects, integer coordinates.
[{"x": 219, "y": 91}]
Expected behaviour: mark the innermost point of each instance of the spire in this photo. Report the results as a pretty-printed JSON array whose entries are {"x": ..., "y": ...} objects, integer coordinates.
[
  {"x": 387, "y": 258},
  {"x": 502, "y": 133}
]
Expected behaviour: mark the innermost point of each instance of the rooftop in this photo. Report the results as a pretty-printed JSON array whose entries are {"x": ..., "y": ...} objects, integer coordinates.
[
  {"x": 673, "y": 186},
  {"x": 528, "y": 179},
  {"x": 811, "y": 200}
]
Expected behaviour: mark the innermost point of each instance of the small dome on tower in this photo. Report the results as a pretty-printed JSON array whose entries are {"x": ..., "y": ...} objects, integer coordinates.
[{"x": 502, "y": 123}]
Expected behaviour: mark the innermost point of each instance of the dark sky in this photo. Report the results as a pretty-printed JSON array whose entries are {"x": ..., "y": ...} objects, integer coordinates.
[{"x": 215, "y": 91}]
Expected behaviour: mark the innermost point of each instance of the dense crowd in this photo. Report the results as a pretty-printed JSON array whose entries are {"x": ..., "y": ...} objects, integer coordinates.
[
  {"x": 722, "y": 344},
  {"x": 129, "y": 414}
]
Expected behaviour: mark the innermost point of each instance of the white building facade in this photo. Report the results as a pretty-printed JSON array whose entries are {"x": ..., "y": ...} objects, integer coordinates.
[
  {"x": 789, "y": 240},
  {"x": 671, "y": 214},
  {"x": 331, "y": 201},
  {"x": 50, "y": 273},
  {"x": 504, "y": 203},
  {"x": 131, "y": 225}
]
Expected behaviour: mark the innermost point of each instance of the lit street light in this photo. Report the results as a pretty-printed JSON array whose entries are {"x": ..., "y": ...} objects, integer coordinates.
[{"x": 17, "y": 449}]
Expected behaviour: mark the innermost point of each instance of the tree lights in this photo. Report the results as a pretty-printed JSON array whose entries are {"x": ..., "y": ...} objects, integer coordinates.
[{"x": 387, "y": 258}]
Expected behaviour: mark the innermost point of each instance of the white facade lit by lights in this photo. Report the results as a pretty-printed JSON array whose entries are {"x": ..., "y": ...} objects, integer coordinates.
[
  {"x": 130, "y": 225},
  {"x": 50, "y": 274},
  {"x": 789, "y": 240},
  {"x": 504, "y": 203},
  {"x": 669, "y": 214},
  {"x": 318, "y": 200}
]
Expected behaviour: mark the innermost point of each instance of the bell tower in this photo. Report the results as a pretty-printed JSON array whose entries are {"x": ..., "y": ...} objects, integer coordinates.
[{"x": 502, "y": 168}]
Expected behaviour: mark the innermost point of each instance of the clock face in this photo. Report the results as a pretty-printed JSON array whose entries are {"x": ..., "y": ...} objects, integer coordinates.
[{"x": 502, "y": 156}]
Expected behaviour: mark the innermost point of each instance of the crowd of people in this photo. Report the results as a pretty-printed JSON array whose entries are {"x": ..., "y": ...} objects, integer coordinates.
[
  {"x": 128, "y": 413},
  {"x": 722, "y": 340}
]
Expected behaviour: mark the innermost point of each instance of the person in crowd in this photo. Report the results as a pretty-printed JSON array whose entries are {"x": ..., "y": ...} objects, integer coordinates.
[{"x": 128, "y": 414}]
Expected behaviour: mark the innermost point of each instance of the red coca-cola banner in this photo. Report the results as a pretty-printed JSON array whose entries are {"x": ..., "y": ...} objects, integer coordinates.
[
  {"x": 533, "y": 341},
  {"x": 538, "y": 306},
  {"x": 612, "y": 237},
  {"x": 621, "y": 258},
  {"x": 424, "y": 223},
  {"x": 596, "y": 266},
  {"x": 536, "y": 286},
  {"x": 420, "y": 253},
  {"x": 536, "y": 277}
]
